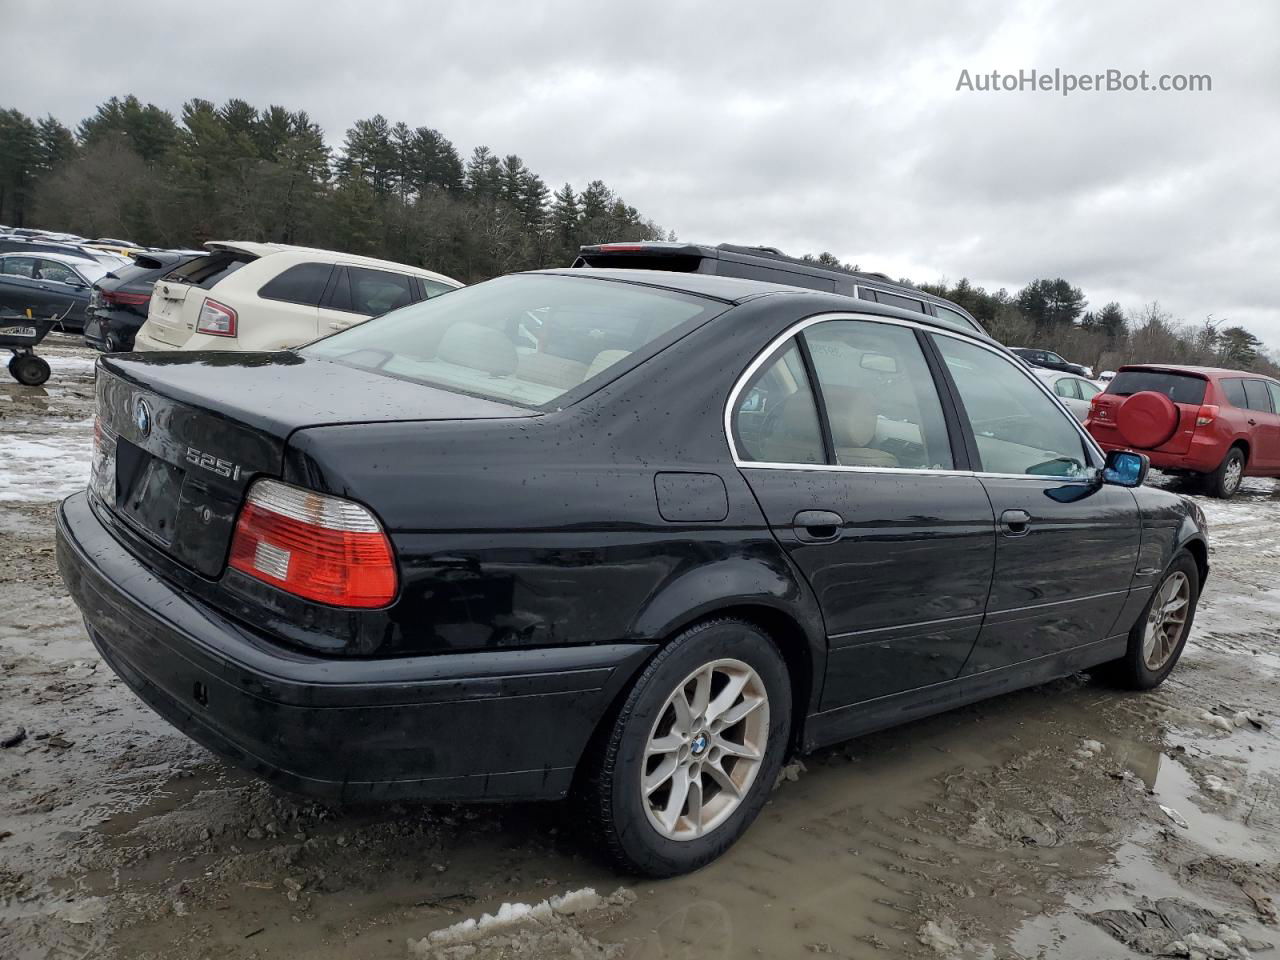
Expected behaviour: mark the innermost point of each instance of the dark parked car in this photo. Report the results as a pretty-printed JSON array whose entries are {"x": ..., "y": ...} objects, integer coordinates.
[
  {"x": 50, "y": 285},
  {"x": 772, "y": 266},
  {"x": 644, "y": 533},
  {"x": 15, "y": 244},
  {"x": 1216, "y": 425},
  {"x": 119, "y": 303},
  {"x": 1051, "y": 361}
]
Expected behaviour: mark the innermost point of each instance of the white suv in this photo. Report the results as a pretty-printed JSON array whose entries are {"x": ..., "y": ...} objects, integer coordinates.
[{"x": 269, "y": 296}]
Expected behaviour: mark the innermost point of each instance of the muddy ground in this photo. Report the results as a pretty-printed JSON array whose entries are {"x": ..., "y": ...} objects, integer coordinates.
[{"x": 1028, "y": 826}]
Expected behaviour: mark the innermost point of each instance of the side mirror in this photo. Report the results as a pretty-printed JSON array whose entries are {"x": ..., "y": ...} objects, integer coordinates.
[{"x": 1124, "y": 468}]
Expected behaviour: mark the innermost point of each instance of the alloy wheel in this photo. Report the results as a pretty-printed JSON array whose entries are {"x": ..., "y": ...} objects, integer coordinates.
[
  {"x": 705, "y": 749},
  {"x": 1166, "y": 620},
  {"x": 1232, "y": 475}
]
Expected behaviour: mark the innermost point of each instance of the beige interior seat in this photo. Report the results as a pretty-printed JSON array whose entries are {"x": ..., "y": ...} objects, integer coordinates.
[
  {"x": 481, "y": 348},
  {"x": 853, "y": 414},
  {"x": 550, "y": 370},
  {"x": 605, "y": 359}
]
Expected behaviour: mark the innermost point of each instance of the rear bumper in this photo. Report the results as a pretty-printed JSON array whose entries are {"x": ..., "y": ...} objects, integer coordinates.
[
  {"x": 99, "y": 323},
  {"x": 1203, "y": 455},
  {"x": 492, "y": 725},
  {"x": 144, "y": 341}
]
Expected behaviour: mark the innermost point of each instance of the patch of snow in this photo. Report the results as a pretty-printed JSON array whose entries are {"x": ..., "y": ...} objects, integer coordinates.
[
  {"x": 1089, "y": 748},
  {"x": 70, "y": 364},
  {"x": 546, "y": 914},
  {"x": 937, "y": 938},
  {"x": 35, "y": 469}
]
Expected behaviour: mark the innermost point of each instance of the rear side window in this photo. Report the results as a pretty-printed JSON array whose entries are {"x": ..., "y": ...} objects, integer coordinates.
[
  {"x": 1067, "y": 387},
  {"x": 1234, "y": 391},
  {"x": 210, "y": 269},
  {"x": 19, "y": 266},
  {"x": 372, "y": 292},
  {"x": 1255, "y": 392},
  {"x": 881, "y": 403},
  {"x": 303, "y": 283},
  {"x": 1274, "y": 390},
  {"x": 777, "y": 416},
  {"x": 1178, "y": 387},
  {"x": 433, "y": 288}
]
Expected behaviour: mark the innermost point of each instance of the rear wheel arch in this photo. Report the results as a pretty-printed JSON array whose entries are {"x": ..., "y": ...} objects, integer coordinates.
[{"x": 1242, "y": 445}]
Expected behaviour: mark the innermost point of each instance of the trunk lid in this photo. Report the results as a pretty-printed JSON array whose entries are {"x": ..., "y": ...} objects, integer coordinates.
[
  {"x": 193, "y": 432},
  {"x": 165, "y": 317}
]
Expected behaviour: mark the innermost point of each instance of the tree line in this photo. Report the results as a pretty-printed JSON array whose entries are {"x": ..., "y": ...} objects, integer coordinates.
[
  {"x": 1052, "y": 314},
  {"x": 405, "y": 193},
  {"x": 134, "y": 170}
]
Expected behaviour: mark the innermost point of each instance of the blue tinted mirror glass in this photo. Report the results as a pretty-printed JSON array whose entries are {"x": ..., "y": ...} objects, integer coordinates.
[{"x": 1123, "y": 469}]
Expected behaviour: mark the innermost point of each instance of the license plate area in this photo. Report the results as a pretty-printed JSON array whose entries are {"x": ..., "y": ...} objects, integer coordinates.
[{"x": 149, "y": 491}]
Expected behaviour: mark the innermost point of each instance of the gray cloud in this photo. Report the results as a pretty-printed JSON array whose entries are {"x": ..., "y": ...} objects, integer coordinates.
[{"x": 829, "y": 126}]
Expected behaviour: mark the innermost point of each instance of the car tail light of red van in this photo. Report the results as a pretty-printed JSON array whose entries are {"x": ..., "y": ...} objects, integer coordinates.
[
  {"x": 314, "y": 546},
  {"x": 1207, "y": 413}
]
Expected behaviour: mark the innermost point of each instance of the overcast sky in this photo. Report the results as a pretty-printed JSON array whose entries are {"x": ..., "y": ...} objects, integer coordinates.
[{"x": 804, "y": 126}]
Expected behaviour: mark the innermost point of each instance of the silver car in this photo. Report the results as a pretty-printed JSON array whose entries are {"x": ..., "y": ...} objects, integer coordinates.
[{"x": 1075, "y": 392}]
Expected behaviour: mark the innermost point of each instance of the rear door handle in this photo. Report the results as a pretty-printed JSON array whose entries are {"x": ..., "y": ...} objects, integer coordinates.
[
  {"x": 817, "y": 526},
  {"x": 1015, "y": 522},
  {"x": 1253, "y": 422}
]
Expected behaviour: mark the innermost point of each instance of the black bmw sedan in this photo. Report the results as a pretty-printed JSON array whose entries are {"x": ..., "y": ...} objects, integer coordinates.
[{"x": 633, "y": 533}]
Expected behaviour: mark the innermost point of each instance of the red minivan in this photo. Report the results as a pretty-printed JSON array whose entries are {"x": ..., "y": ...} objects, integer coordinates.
[{"x": 1221, "y": 425}]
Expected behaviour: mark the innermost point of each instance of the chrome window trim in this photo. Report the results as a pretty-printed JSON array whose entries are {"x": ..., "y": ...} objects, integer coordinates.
[{"x": 802, "y": 325}]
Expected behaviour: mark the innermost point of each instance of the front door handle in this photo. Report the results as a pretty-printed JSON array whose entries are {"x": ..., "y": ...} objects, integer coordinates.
[
  {"x": 817, "y": 526},
  {"x": 1015, "y": 522}
]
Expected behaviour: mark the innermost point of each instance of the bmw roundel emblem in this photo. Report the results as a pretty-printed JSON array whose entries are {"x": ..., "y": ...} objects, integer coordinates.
[{"x": 142, "y": 416}]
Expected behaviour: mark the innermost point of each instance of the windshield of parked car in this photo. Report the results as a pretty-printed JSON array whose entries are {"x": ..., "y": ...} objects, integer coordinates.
[
  {"x": 1178, "y": 387},
  {"x": 525, "y": 339}
]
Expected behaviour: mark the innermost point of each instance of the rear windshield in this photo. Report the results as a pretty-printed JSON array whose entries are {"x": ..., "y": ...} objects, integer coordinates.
[
  {"x": 135, "y": 272},
  {"x": 525, "y": 339},
  {"x": 207, "y": 270},
  {"x": 1178, "y": 387}
]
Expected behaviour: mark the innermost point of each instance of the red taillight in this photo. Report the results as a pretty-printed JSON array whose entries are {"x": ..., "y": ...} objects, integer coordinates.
[
  {"x": 1207, "y": 413},
  {"x": 315, "y": 546},
  {"x": 125, "y": 299},
  {"x": 622, "y": 247},
  {"x": 216, "y": 319}
]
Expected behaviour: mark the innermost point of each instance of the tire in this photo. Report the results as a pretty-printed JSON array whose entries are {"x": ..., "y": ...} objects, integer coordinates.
[
  {"x": 1225, "y": 481},
  {"x": 29, "y": 370},
  {"x": 1135, "y": 670},
  {"x": 639, "y": 829}
]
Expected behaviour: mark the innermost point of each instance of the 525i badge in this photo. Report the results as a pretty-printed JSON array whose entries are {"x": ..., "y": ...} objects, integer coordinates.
[{"x": 207, "y": 461}]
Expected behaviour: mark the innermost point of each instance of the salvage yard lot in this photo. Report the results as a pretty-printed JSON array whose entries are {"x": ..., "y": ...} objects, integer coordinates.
[{"x": 1034, "y": 825}]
